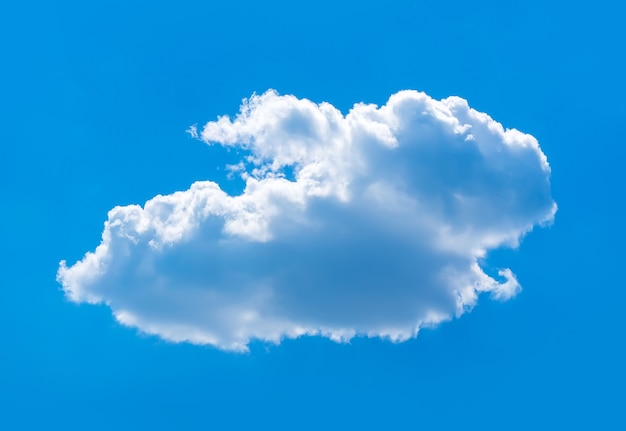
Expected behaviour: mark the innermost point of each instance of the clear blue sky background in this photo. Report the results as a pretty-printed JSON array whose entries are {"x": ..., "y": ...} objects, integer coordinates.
[{"x": 95, "y": 100}]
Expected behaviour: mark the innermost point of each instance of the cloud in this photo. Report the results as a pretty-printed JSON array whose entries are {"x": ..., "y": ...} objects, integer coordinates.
[{"x": 373, "y": 223}]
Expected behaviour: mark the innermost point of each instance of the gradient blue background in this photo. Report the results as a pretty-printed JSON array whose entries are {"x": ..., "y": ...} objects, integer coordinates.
[{"x": 95, "y": 100}]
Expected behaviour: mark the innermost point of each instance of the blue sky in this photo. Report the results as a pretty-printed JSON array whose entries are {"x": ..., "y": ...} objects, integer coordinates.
[{"x": 97, "y": 99}]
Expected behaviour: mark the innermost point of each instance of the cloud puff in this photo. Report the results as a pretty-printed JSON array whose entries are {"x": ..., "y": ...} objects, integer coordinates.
[{"x": 373, "y": 223}]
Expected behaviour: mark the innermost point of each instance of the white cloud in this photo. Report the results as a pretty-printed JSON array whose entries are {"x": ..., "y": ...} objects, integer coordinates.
[{"x": 372, "y": 223}]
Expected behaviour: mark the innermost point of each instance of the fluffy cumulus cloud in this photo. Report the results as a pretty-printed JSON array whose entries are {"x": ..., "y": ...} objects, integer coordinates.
[{"x": 372, "y": 223}]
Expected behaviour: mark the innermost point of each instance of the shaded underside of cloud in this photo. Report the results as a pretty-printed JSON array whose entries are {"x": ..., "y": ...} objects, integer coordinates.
[{"x": 373, "y": 223}]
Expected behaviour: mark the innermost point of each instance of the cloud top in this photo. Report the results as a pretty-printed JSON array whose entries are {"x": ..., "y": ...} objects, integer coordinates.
[{"x": 372, "y": 223}]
